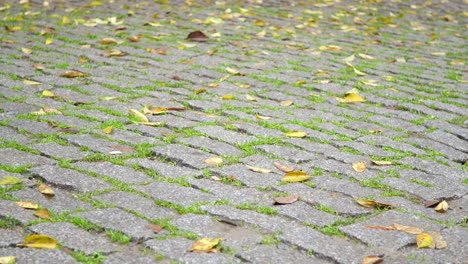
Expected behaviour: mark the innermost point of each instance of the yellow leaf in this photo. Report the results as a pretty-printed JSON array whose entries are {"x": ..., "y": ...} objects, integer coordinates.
[
  {"x": 149, "y": 123},
  {"x": 262, "y": 117},
  {"x": 49, "y": 110},
  {"x": 360, "y": 73},
  {"x": 207, "y": 245},
  {"x": 45, "y": 189},
  {"x": 372, "y": 259},
  {"x": 73, "y": 74},
  {"x": 381, "y": 163},
  {"x": 424, "y": 240},
  {"x": 214, "y": 161},
  {"x": 250, "y": 98},
  {"x": 39, "y": 113},
  {"x": 28, "y": 205},
  {"x": 442, "y": 207},
  {"x": 38, "y": 241},
  {"x": 10, "y": 180},
  {"x": 330, "y": 47},
  {"x": 26, "y": 50},
  {"x": 108, "y": 41},
  {"x": 351, "y": 98},
  {"x": 349, "y": 59},
  {"x": 296, "y": 134},
  {"x": 258, "y": 169},
  {"x": 365, "y": 56},
  {"x": 373, "y": 204},
  {"x": 286, "y": 103},
  {"x": 29, "y": 82},
  {"x": 438, "y": 53},
  {"x": 408, "y": 229},
  {"x": 107, "y": 130},
  {"x": 138, "y": 115},
  {"x": 42, "y": 213},
  {"x": 233, "y": 71},
  {"x": 65, "y": 20},
  {"x": 295, "y": 176},
  {"x": 8, "y": 260},
  {"x": 227, "y": 97},
  {"x": 376, "y": 131},
  {"x": 359, "y": 166},
  {"x": 114, "y": 53},
  {"x": 260, "y": 23},
  {"x": 199, "y": 91},
  {"x": 48, "y": 41},
  {"x": 48, "y": 93},
  {"x": 151, "y": 110}
]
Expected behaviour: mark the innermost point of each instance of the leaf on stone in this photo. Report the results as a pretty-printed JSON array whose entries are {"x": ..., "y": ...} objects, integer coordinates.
[
  {"x": 151, "y": 110},
  {"x": 114, "y": 53},
  {"x": 158, "y": 51},
  {"x": 233, "y": 71},
  {"x": 258, "y": 169},
  {"x": 29, "y": 82},
  {"x": 49, "y": 41},
  {"x": 138, "y": 115},
  {"x": 10, "y": 180},
  {"x": 424, "y": 240},
  {"x": 46, "y": 190},
  {"x": 359, "y": 166},
  {"x": 349, "y": 59},
  {"x": 155, "y": 228},
  {"x": 263, "y": 117},
  {"x": 381, "y": 162},
  {"x": 375, "y": 131},
  {"x": 330, "y": 47},
  {"x": 296, "y": 134},
  {"x": 373, "y": 204},
  {"x": 442, "y": 207},
  {"x": 12, "y": 29},
  {"x": 149, "y": 123},
  {"x": 372, "y": 259},
  {"x": 135, "y": 38},
  {"x": 250, "y": 98},
  {"x": 26, "y": 50},
  {"x": 227, "y": 97},
  {"x": 286, "y": 199},
  {"x": 381, "y": 227},
  {"x": 42, "y": 213},
  {"x": 214, "y": 160},
  {"x": 431, "y": 203},
  {"x": 8, "y": 260},
  {"x": 351, "y": 96},
  {"x": 365, "y": 56},
  {"x": 358, "y": 72},
  {"x": 108, "y": 130},
  {"x": 286, "y": 103},
  {"x": 108, "y": 41},
  {"x": 408, "y": 229},
  {"x": 48, "y": 93},
  {"x": 38, "y": 241},
  {"x": 206, "y": 245},
  {"x": 28, "y": 205},
  {"x": 197, "y": 36},
  {"x": 39, "y": 67},
  {"x": 73, "y": 74},
  {"x": 283, "y": 167},
  {"x": 295, "y": 176},
  {"x": 199, "y": 91},
  {"x": 438, "y": 240}
]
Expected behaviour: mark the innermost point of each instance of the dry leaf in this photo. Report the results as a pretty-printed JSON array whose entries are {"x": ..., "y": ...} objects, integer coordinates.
[
  {"x": 258, "y": 169},
  {"x": 28, "y": 205},
  {"x": 151, "y": 110},
  {"x": 214, "y": 161},
  {"x": 380, "y": 227},
  {"x": 197, "y": 36},
  {"x": 149, "y": 123},
  {"x": 206, "y": 245},
  {"x": 39, "y": 67},
  {"x": 38, "y": 241},
  {"x": 26, "y": 50},
  {"x": 372, "y": 259},
  {"x": 160, "y": 51},
  {"x": 373, "y": 204},
  {"x": 282, "y": 167},
  {"x": 296, "y": 134},
  {"x": 349, "y": 59},
  {"x": 114, "y": 53},
  {"x": 108, "y": 41},
  {"x": 43, "y": 213},
  {"x": 381, "y": 163},
  {"x": 365, "y": 56},
  {"x": 29, "y": 82},
  {"x": 10, "y": 180},
  {"x": 138, "y": 115},
  {"x": 442, "y": 207},
  {"x": 8, "y": 260},
  {"x": 227, "y": 97},
  {"x": 438, "y": 240},
  {"x": 359, "y": 166},
  {"x": 135, "y": 38},
  {"x": 73, "y": 74},
  {"x": 407, "y": 229},
  {"x": 107, "y": 130},
  {"x": 199, "y": 91},
  {"x": 424, "y": 240},
  {"x": 375, "y": 131},
  {"x": 351, "y": 96},
  {"x": 250, "y": 98},
  {"x": 431, "y": 203},
  {"x": 287, "y": 199},
  {"x": 233, "y": 71},
  {"x": 295, "y": 176},
  {"x": 155, "y": 228},
  {"x": 263, "y": 117},
  {"x": 45, "y": 189},
  {"x": 286, "y": 103},
  {"x": 48, "y": 93}
]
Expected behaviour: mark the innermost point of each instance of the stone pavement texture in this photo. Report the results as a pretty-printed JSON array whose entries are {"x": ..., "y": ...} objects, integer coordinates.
[{"x": 127, "y": 192}]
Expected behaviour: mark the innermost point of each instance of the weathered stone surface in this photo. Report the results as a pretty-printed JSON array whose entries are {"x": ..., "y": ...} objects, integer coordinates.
[
  {"x": 215, "y": 147},
  {"x": 183, "y": 155},
  {"x": 61, "y": 202},
  {"x": 55, "y": 150},
  {"x": 34, "y": 256},
  {"x": 166, "y": 170},
  {"x": 276, "y": 254},
  {"x": 16, "y": 158},
  {"x": 291, "y": 154},
  {"x": 11, "y": 237},
  {"x": 228, "y": 136},
  {"x": 248, "y": 177},
  {"x": 114, "y": 171},
  {"x": 97, "y": 144},
  {"x": 307, "y": 214}
]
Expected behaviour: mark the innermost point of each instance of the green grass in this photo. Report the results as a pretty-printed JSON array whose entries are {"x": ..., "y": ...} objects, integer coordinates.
[
  {"x": 258, "y": 209},
  {"x": 9, "y": 222},
  {"x": 95, "y": 258},
  {"x": 422, "y": 183},
  {"x": 117, "y": 236}
]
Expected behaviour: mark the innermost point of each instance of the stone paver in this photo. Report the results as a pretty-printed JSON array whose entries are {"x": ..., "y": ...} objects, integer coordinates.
[{"x": 266, "y": 68}]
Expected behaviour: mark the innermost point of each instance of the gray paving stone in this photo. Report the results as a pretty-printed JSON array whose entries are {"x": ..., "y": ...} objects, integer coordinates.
[
  {"x": 345, "y": 186},
  {"x": 141, "y": 205},
  {"x": 130, "y": 257},
  {"x": 128, "y": 137},
  {"x": 11, "y": 237},
  {"x": 449, "y": 139},
  {"x": 216, "y": 147},
  {"x": 73, "y": 121},
  {"x": 384, "y": 141},
  {"x": 165, "y": 169},
  {"x": 11, "y": 209},
  {"x": 257, "y": 130},
  {"x": 337, "y": 129},
  {"x": 432, "y": 167},
  {"x": 119, "y": 220},
  {"x": 291, "y": 154},
  {"x": 396, "y": 123},
  {"x": 307, "y": 214},
  {"x": 314, "y": 134},
  {"x": 172, "y": 121},
  {"x": 35, "y": 256},
  {"x": 32, "y": 127},
  {"x": 447, "y": 151},
  {"x": 53, "y": 149},
  {"x": 248, "y": 177},
  {"x": 14, "y": 157},
  {"x": 97, "y": 144},
  {"x": 68, "y": 179},
  {"x": 312, "y": 146},
  {"x": 183, "y": 155},
  {"x": 10, "y": 134},
  {"x": 343, "y": 169},
  {"x": 364, "y": 148},
  {"x": 451, "y": 128},
  {"x": 276, "y": 254},
  {"x": 75, "y": 238},
  {"x": 175, "y": 193},
  {"x": 228, "y": 136},
  {"x": 16, "y": 107},
  {"x": 114, "y": 171}
]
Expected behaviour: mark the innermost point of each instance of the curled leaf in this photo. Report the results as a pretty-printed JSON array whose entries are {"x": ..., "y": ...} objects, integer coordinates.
[
  {"x": 381, "y": 163},
  {"x": 73, "y": 74},
  {"x": 295, "y": 176},
  {"x": 424, "y": 240},
  {"x": 29, "y": 82},
  {"x": 206, "y": 245},
  {"x": 258, "y": 169},
  {"x": 108, "y": 41},
  {"x": 296, "y": 134},
  {"x": 28, "y": 205},
  {"x": 114, "y": 53},
  {"x": 138, "y": 115},
  {"x": 43, "y": 213},
  {"x": 372, "y": 259},
  {"x": 286, "y": 199},
  {"x": 45, "y": 189},
  {"x": 197, "y": 36},
  {"x": 374, "y": 204},
  {"x": 282, "y": 167},
  {"x": 359, "y": 166},
  {"x": 38, "y": 241},
  {"x": 408, "y": 229},
  {"x": 442, "y": 207},
  {"x": 214, "y": 161}
]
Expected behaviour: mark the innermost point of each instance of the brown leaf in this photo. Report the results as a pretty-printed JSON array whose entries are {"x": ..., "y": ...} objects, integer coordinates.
[
  {"x": 431, "y": 203},
  {"x": 373, "y": 204},
  {"x": 114, "y": 53},
  {"x": 73, "y": 74},
  {"x": 381, "y": 163},
  {"x": 359, "y": 166},
  {"x": 442, "y": 207},
  {"x": 372, "y": 259},
  {"x": 27, "y": 205},
  {"x": 287, "y": 199},
  {"x": 160, "y": 51},
  {"x": 155, "y": 228},
  {"x": 407, "y": 229},
  {"x": 46, "y": 190},
  {"x": 197, "y": 36},
  {"x": 135, "y": 38},
  {"x": 214, "y": 161},
  {"x": 151, "y": 110},
  {"x": 283, "y": 167},
  {"x": 438, "y": 240},
  {"x": 381, "y": 227},
  {"x": 258, "y": 169},
  {"x": 42, "y": 213}
]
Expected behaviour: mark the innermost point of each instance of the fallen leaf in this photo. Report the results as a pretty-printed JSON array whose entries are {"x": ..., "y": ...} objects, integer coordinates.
[
  {"x": 381, "y": 163},
  {"x": 28, "y": 205},
  {"x": 227, "y": 97},
  {"x": 114, "y": 53},
  {"x": 374, "y": 204},
  {"x": 424, "y": 240},
  {"x": 330, "y": 47},
  {"x": 286, "y": 103},
  {"x": 215, "y": 178},
  {"x": 138, "y": 115},
  {"x": 155, "y": 228},
  {"x": 431, "y": 203},
  {"x": 206, "y": 245},
  {"x": 10, "y": 180},
  {"x": 45, "y": 189},
  {"x": 442, "y": 207},
  {"x": 351, "y": 97},
  {"x": 108, "y": 41},
  {"x": 250, "y": 98},
  {"x": 263, "y": 117},
  {"x": 151, "y": 110},
  {"x": 282, "y": 167},
  {"x": 108, "y": 130},
  {"x": 358, "y": 72},
  {"x": 359, "y": 166},
  {"x": 29, "y": 82},
  {"x": 149, "y": 123},
  {"x": 372, "y": 259},
  {"x": 159, "y": 51},
  {"x": 39, "y": 67},
  {"x": 38, "y": 241},
  {"x": 380, "y": 227},
  {"x": 375, "y": 131},
  {"x": 295, "y": 176},
  {"x": 438, "y": 240},
  {"x": 197, "y": 36},
  {"x": 26, "y": 50},
  {"x": 349, "y": 59},
  {"x": 365, "y": 56},
  {"x": 12, "y": 29},
  {"x": 8, "y": 260},
  {"x": 296, "y": 134},
  {"x": 48, "y": 93},
  {"x": 408, "y": 229},
  {"x": 286, "y": 199},
  {"x": 233, "y": 71},
  {"x": 43, "y": 213},
  {"x": 73, "y": 74},
  {"x": 258, "y": 169},
  {"x": 214, "y": 161},
  {"x": 199, "y": 91},
  {"x": 49, "y": 41},
  {"x": 135, "y": 38}
]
